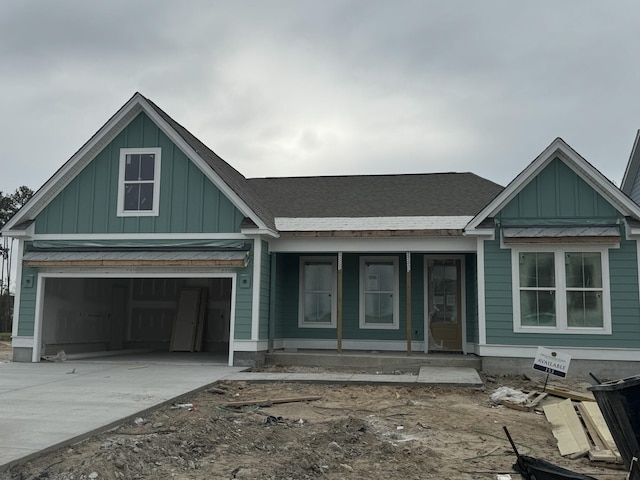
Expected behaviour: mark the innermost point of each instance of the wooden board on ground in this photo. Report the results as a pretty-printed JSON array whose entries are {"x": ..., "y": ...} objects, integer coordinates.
[
  {"x": 605, "y": 449},
  {"x": 567, "y": 429},
  {"x": 271, "y": 401},
  {"x": 572, "y": 394},
  {"x": 534, "y": 399}
]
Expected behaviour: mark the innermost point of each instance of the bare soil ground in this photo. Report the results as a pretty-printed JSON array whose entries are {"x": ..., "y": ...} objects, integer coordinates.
[
  {"x": 352, "y": 432},
  {"x": 5, "y": 351}
]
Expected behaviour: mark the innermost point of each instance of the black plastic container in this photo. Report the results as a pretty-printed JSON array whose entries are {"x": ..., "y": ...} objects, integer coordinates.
[{"x": 619, "y": 402}]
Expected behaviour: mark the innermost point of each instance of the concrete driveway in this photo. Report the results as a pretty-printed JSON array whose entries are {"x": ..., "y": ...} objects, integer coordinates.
[{"x": 45, "y": 405}]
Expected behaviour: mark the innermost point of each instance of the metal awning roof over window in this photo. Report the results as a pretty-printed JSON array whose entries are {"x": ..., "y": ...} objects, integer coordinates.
[
  {"x": 136, "y": 258},
  {"x": 563, "y": 234}
]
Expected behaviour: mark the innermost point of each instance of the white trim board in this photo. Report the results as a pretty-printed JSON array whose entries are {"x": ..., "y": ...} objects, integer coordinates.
[
  {"x": 300, "y": 224},
  {"x": 374, "y": 245},
  {"x": 22, "y": 342},
  {"x": 250, "y": 345},
  {"x": 577, "y": 353}
]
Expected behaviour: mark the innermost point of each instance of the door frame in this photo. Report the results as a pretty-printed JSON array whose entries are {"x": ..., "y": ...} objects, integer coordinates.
[{"x": 463, "y": 298}]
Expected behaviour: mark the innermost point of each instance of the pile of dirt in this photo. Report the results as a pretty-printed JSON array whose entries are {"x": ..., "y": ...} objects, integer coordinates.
[{"x": 353, "y": 431}]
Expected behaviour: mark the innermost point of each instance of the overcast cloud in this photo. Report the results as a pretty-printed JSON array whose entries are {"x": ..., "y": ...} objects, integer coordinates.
[{"x": 290, "y": 88}]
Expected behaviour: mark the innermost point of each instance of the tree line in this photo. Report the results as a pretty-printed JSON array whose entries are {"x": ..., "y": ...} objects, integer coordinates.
[{"x": 10, "y": 203}]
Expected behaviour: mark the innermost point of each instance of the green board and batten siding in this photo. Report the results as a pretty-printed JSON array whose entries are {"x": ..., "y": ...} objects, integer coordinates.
[
  {"x": 557, "y": 195},
  {"x": 189, "y": 202}
]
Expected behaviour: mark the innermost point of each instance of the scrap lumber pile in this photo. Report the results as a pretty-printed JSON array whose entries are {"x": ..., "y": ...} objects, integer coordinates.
[{"x": 580, "y": 429}]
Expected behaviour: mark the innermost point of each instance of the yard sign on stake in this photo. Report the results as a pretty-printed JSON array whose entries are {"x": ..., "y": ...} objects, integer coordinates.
[{"x": 552, "y": 363}]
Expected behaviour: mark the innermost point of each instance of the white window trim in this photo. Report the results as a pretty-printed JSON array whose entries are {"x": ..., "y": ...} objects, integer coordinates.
[
  {"x": 156, "y": 183},
  {"x": 561, "y": 290},
  {"x": 396, "y": 294},
  {"x": 334, "y": 292}
]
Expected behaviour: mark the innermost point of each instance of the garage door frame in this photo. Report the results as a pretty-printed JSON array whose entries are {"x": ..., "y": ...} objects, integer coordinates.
[{"x": 126, "y": 273}]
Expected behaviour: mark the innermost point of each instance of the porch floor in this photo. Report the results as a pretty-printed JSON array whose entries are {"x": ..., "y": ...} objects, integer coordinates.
[{"x": 370, "y": 361}]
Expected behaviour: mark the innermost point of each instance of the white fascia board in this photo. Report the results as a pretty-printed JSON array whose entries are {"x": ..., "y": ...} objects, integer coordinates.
[
  {"x": 202, "y": 165},
  {"x": 484, "y": 232},
  {"x": 338, "y": 224},
  {"x": 77, "y": 162},
  {"x": 259, "y": 231},
  {"x": 457, "y": 244},
  {"x": 586, "y": 171},
  {"x": 24, "y": 234}
]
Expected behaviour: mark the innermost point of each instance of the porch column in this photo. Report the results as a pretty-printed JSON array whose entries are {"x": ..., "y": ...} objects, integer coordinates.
[
  {"x": 409, "y": 303},
  {"x": 339, "y": 313}
]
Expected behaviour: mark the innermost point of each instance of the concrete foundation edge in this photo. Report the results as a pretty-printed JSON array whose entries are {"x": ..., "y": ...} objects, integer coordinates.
[
  {"x": 248, "y": 359},
  {"x": 22, "y": 354},
  {"x": 604, "y": 370}
]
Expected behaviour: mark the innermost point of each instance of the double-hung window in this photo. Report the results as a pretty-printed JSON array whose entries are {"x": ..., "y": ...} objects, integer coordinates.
[
  {"x": 139, "y": 182},
  {"x": 379, "y": 287},
  {"x": 561, "y": 291},
  {"x": 318, "y": 292}
]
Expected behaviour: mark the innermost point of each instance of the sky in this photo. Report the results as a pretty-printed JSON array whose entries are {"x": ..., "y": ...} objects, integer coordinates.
[{"x": 332, "y": 87}]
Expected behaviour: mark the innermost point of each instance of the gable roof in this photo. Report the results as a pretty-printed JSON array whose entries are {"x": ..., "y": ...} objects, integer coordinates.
[
  {"x": 417, "y": 195},
  {"x": 225, "y": 177},
  {"x": 633, "y": 168},
  {"x": 560, "y": 149}
]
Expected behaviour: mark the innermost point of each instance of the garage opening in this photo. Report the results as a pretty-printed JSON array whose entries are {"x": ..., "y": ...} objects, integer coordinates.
[{"x": 86, "y": 315}]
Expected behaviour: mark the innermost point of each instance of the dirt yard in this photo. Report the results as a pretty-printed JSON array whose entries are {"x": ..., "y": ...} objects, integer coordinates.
[
  {"x": 351, "y": 432},
  {"x": 5, "y": 351}
]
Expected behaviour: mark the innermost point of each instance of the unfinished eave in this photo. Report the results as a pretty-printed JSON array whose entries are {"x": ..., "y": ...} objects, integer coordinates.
[
  {"x": 125, "y": 259},
  {"x": 134, "y": 263}
]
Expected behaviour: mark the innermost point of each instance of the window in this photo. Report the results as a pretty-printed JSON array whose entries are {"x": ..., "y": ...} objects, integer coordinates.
[
  {"x": 379, "y": 292},
  {"x": 139, "y": 182},
  {"x": 318, "y": 292},
  {"x": 561, "y": 291}
]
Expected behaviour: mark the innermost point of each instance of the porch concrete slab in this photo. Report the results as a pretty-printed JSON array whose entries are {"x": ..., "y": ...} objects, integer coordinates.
[
  {"x": 450, "y": 376},
  {"x": 48, "y": 405}
]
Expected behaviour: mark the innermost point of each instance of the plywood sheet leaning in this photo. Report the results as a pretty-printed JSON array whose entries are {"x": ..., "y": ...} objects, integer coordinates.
[
  {"x": 566, "y": 427},
  {"x": 202, "y": 313},
  {"x": 605, "y": 449},
  {"x": 184, "y": 328}
]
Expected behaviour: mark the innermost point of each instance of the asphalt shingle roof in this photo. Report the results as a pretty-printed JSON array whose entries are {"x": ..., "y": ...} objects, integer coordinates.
[
  {"x": 234, "y": 179},
  {"x": 435, "y": 194}
]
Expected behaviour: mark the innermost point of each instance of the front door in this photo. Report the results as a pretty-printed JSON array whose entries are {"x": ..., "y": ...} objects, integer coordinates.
[{"x": 444, "y": 305}]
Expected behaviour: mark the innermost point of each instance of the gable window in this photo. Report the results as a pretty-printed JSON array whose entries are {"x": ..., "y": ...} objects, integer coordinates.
[
  {"x": 379, "y": 292},
  {"x": 318, "y": 292},
  {"x": 561, "y": 291},
  {"x": 139, "y": 182}
]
